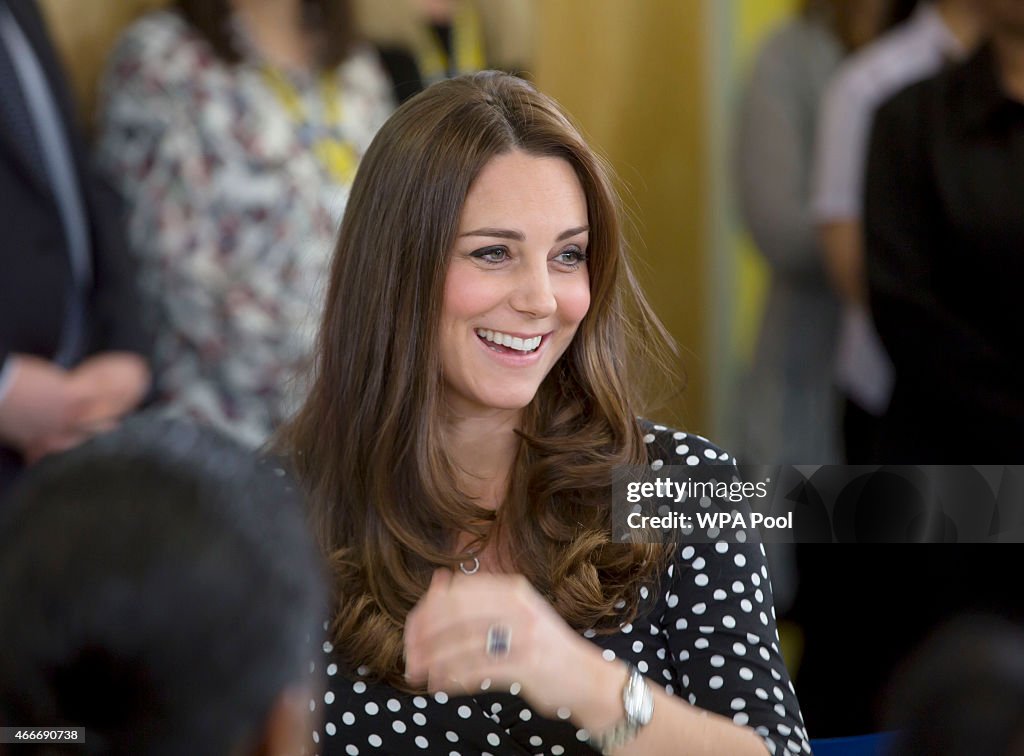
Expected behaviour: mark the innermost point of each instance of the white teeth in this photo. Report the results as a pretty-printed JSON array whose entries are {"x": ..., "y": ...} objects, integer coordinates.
[{"x": 512, "y": 342}]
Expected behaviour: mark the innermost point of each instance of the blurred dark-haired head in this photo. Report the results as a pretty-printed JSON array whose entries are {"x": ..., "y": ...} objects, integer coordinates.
[
  {"x": 962, "y": 693},
  {"x": 859, "y": 22},
  {"x": 160, "y": 589},
  {"x": 1004, "y": 17},
  {"x": 332, "y": 20}
]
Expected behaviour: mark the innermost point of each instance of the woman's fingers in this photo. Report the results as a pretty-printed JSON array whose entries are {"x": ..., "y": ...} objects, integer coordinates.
[
  {"x": 421, "y": 618},
  {"x": 449, "y": 649},
  {"x": 460, "y": 660},
  {"x": 451, "y": 642},
  {"x": 448, "y": 629}
]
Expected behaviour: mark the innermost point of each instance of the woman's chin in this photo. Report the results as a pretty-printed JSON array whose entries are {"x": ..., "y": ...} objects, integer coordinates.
[{"x": 483, "y": 404}]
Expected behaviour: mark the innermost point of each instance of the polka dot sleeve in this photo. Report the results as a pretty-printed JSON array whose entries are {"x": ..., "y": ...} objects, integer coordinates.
[{"x": 719, "y": 618}]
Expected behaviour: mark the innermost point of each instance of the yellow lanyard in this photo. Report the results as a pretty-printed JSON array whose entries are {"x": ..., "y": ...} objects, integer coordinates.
[
  {"x": 467, "y": 46},
  {"x": 334, "y": 154}
]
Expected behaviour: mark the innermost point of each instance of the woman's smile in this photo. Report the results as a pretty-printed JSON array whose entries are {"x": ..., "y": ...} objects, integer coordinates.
[{"x": 502, "y": 342}]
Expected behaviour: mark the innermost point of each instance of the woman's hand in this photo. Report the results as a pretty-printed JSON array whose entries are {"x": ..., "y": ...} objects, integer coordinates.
[{"x": 560, "y": 673}]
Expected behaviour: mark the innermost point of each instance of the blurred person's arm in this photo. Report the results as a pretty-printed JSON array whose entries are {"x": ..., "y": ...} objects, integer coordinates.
[
  {"x": 772, "y": 163},
  {"x": 125, "y": 342},
  {"x": 842, "y": 243},
  {"x": 117, "y": 378},
  {"x": 837, "y": 185}
]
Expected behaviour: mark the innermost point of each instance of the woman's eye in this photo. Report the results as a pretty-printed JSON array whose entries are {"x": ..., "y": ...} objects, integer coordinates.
[
  {"x": 573, "y": 257},
  {"x": 491, "y": 254}
]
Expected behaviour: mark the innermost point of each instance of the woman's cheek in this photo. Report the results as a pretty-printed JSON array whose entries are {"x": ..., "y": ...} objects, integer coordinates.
[{"x": 575, "y": 301}]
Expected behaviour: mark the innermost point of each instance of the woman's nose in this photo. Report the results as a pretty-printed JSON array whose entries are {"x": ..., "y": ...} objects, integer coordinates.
[{"x": 534, "y": 293}]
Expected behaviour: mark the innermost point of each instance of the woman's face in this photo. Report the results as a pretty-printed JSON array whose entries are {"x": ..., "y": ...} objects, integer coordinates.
[{"x": 517, "y": 285}]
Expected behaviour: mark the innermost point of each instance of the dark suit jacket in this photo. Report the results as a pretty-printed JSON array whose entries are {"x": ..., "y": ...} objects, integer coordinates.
[{"x": 34, "y": 265}]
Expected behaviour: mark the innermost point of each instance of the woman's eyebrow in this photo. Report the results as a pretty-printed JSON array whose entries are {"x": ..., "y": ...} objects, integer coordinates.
[{"x": 506, "y": 233}]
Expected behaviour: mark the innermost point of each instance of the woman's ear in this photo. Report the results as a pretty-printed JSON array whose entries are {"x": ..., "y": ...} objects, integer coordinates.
[{"x": 288, "y": 728}]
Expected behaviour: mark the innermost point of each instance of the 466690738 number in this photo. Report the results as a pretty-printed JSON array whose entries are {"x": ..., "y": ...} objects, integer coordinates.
[{"x": 14, "y": 735}]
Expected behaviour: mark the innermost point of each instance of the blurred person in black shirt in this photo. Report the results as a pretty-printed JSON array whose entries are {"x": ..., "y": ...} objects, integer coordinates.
[{"x": 944, "y": 237}]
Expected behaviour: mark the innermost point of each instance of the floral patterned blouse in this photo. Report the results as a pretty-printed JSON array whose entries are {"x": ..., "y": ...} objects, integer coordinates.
[{"x": 232, "y": 210}]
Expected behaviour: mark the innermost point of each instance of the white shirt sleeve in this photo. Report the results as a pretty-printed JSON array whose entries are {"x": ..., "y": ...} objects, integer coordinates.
[
  {"x": 7, "y": 370},
  {"x": 841, "y": 145}
]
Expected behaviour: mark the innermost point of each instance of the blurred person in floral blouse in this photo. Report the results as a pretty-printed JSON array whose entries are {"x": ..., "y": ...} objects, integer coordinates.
[{"x": 233, "y": 129}]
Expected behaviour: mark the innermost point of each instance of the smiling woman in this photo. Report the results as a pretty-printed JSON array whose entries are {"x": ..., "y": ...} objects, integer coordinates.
[{"x": 475, "y": 387}]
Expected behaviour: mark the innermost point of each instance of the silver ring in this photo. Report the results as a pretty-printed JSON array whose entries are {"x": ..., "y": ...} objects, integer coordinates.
[
  {"x": 499, "y": 641},
  {"x": 470, "y": 570}
]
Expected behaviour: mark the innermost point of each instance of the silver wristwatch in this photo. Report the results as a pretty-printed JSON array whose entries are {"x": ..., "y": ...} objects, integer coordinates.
[{"x": 638, "y": 702}]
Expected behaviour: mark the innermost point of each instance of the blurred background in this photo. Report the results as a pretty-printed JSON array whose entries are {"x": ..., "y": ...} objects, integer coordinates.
[
  {"x": 661, "y": 88},
  {"x": 653, "y": 83}
]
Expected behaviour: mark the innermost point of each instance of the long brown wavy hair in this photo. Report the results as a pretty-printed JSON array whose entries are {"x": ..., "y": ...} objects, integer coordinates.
[{"x": 369, "y": 442}]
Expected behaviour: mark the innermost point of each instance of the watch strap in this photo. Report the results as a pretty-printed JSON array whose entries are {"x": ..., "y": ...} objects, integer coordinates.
[{"x": 638, "y": 707}]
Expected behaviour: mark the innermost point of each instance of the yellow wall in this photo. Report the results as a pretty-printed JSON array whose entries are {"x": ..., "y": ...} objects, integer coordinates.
[
  {"x": 632, "y": 74},
  {"x": 84, "y": 31},
  {"x": 654, "y": 84},
  {"x": 754, "y": 18}
]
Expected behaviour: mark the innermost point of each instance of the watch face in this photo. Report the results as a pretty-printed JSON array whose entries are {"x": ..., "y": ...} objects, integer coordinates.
[
  {"x": 646, "y": 708},
  {"x": 638, "y": 700}
]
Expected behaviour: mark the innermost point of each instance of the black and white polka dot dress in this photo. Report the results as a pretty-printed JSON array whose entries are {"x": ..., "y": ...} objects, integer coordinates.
[{"x": 708, "y": 636}]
